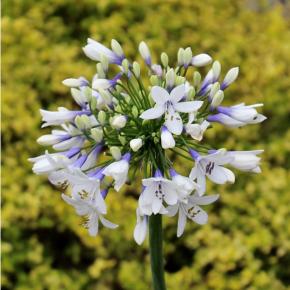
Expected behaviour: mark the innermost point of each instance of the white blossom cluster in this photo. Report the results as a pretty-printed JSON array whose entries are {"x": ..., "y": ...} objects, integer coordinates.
[{"x": 127, "y": 124}]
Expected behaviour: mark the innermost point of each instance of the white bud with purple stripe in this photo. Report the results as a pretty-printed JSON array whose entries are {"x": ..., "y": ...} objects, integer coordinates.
[
  {"x": 145, "y": 53},
  {"x": 200, "y": 60},
  {"x": 167, "y": 139}
]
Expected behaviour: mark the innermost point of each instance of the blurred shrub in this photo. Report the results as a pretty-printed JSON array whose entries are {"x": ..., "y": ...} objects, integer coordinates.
[{"x": 246, "y": 244}]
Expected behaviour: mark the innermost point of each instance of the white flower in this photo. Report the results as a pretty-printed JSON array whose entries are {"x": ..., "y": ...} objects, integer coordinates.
[
  {"x": 59, "y": 117},
  {"x": 184, "y": 185},
  {"x": 210, "y": 166},
  {"x": 201, "y": 60},
  {"x": 118, "y": 122},
  {"x": 196, "y": 131},
  {"x": 119, "y": 171},
  {"x": 157, "y": 189},
  {"x": 191, "y": 210},
  {"x": 140, "y": 230},
  {"x": 136, "y": 144},
  {"x": 167, "y": 140},
  {"x": 75, "y": 83},
  {"x": 170, "y": 105},
  {"x": 245, "y": 160},
  {"x": 93, "y": 206},
  {"x": 94, "y": 50},
  {"x": 47, "y": 163},
  {"x": 105, "y": 84},
  {"x": 238, "y": 115}
]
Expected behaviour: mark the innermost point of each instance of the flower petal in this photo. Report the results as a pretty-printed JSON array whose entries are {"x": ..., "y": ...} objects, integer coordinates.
[
  {"x": 204, "y": 200},
  {"x": 188, "y": 107},
  {"x": 159, "y": 95},
  {"x": 177, "y": 93},
  {"x": 173, "y": 122},
  {"x": 181, "y": 223},
  {"x": 153, "y": 113},
  {"x": 156, "y": 205},
  {"x": 201, "y": 217},
  {"x": 170, "y": 196},
  {"x": 107, "y": 223}
]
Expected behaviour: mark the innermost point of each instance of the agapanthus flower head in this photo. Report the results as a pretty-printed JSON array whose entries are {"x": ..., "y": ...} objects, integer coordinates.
[{"x": 123, "y": 127}]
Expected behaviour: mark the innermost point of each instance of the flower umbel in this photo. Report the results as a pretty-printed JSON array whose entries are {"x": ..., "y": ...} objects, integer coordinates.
[{"x": 123, "y": 128}]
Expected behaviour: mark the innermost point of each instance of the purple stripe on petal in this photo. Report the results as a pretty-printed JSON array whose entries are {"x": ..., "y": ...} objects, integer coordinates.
[
  {"x": 72, "y": 152},
  {"x": 158, "y": 173},
  {"x": 194, "y": 154},
  {"x": 172, "y": 172},
  {"x": 80, "y": 161},
  {"x": 127, "y": 157},
  {"x": 104, "y": 193}
]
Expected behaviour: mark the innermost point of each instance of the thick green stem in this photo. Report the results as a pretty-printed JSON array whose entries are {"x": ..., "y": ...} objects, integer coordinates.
[{"x": 156, "y": 251}]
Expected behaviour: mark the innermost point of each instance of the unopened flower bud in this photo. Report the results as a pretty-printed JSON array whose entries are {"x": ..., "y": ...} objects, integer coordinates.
[
  {"x": 216, "y": 69},
  {"x": 230, "y": 77},
  {"x": 74, "y": 83},
  {"x": 118, "y": 122},
  {"x": 179, "y": 80},
  {"x": 145, "y": 53},
  {"x": 106, "y": 96},
  {"x": 180, "y": 57},
  {"x": 214, "y": 89},
  {"x": 167, "y": 140},
  {"x": 154, "y": 80},
  {"x": 187, "y": 56},
  {"x": 116, "y": 152},
  {"x": 117, "y": 48},
  {"x": 97, "y": 134},
  {"x": 82, "y": 122},
  {"x": 87, "y": 92},
  {"x": 127, "y": 99},
  {"x": 104, "y": 62},
  {"x": 217, "y": 99},
  {"x": 136, "y": 69},
  {"x": 102, "y": 117},
  {"x": 125, "y": 65},
  {"x": 201, "y": 60},
  {"x": 170, "y": 78},
  {"x": 136, "y": 144},
  {"x": 100, "y": 71},
  {"x": 164, "y": 59},
  {"x": 122, "y": 139},
  {"x": 135, "y": 111},
  {"x": 191, "y": 93},
  {"x": 196, "y": 78}
]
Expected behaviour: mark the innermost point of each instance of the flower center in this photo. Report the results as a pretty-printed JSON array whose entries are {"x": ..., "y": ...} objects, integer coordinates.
[
  {"x": 209, "y": 167},
  {"x": 158, "y": 192},
  {"x": 193, "y": 211}
]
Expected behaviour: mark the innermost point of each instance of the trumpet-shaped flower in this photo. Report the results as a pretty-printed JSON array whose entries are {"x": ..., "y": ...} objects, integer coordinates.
[
  {"x": 238, "y": 115},
  {"x": 211, "y": 166},
  {"x": 51, "y": 118},
  {"x": 170, "y": 105},
  {"x": 91, "y": 205},
  {"x": 157, "y": 190},
  {"x": 191, "y": 210},
  {"x": 95, "y": 50},
  {"x": 245, "y": 160},
  {"x": 119, "y": 171},
  {"x": 195, "y": 130}
]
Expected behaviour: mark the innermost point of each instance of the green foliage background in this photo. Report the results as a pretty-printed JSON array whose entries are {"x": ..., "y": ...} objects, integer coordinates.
[{"x": 246, "y": 244}]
